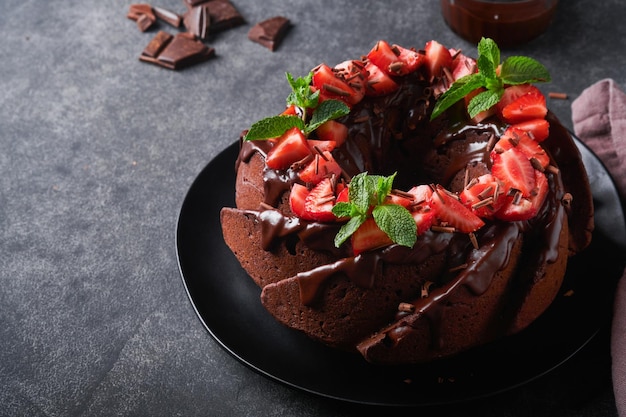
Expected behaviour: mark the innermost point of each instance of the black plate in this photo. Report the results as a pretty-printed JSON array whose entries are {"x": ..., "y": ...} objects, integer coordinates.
[{"x": 227, "y": 302}]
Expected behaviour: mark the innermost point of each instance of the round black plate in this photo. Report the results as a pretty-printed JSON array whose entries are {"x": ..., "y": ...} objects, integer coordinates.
[{"x": 227, "y": 302}]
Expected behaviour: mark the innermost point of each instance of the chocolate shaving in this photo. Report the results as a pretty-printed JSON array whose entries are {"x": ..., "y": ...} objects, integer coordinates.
[
  {"x": 406, "y": 307},
  {"x": 560, "y": 96}
]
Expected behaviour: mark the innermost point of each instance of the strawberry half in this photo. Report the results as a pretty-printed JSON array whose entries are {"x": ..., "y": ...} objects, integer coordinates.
[
  {"x": 514, "y": 169},
  {"x": 291, "y": 147},
  {"x": 322, "y": 166},
  {"x": 369, "y": 236},
  {"x": 451, "y": 211},
  {"x": 531, "y": 105}
]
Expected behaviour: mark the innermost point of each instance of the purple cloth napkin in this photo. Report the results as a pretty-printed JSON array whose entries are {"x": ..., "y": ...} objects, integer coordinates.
[{"x": 599, "y": 116}]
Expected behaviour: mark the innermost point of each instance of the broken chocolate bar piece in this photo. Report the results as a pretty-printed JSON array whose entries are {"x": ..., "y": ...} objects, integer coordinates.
[
  {"x": 197, "y": 21},
  {"x": 174, "y": 19},
  {"x": 179, "y": 52},
  {"x": 136, "y": 10},
  {"x": 270, "y": 32},
  {"x": 156, "y": 45},
  {"x": 211, "y": 16},
  {"x": 145, "y": 21}
]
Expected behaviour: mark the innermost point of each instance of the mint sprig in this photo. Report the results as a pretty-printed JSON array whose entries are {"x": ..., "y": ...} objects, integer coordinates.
[
  {"x": 513, "y": 71},
  {"x": 304, "y": 99},
  {"x": 367, "y": 191}
]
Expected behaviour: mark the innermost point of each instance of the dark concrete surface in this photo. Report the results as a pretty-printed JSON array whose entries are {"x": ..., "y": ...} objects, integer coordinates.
[{"x": 97, "y": 151}]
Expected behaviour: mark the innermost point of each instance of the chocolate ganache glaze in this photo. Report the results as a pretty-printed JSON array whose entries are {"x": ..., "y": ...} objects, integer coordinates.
[{"x": 394, "y": 134}]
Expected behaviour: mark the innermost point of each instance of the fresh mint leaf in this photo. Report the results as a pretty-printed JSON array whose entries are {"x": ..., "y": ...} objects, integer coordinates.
[
  {"x": 462, "y": 87},
  {"x": 522, "y": 70},
  {"x": 370, "y": 192},
  {"x": 360, "y": 191},
  {"x": 348, "y": 229},
  {"x": 384, "y": 187},
  {"x": 483, "y": 101},
  {"x": 327, "y": 110},
  {"x": 397, "y": 222},
  {"x": 488, "y": 57},
  {"x": 272, "y": 127},
  {"x": 345, "y": 209},
  {"x": 301, "y": 95}
]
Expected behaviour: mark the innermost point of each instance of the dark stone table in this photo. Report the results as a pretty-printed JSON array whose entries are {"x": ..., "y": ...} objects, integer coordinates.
[{"x": 97, "y": 152}]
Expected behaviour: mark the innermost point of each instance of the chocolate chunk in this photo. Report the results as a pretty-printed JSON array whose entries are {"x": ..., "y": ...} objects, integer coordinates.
[
  {"x": 145, "y": 21},
  {"x": 211, "y": 16},
  {"x": 197, "y": 21},
  {"x": 157, "y": 44},
  {"x": 168, "y": 16},
  {"x": 136, "y": 10},
  {"x": 270, "y": 32},
  {"x": 180, "y": 52}
]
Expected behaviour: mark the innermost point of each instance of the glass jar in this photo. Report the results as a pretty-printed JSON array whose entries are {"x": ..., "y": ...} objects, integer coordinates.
[{"x": 508, "y": 22}]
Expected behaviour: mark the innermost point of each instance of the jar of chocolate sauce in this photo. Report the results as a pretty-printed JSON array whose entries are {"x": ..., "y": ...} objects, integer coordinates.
[{"x": 508, "y": 22}]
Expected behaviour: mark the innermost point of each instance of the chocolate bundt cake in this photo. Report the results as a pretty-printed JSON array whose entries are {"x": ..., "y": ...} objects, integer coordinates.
[{"x": 389, "y": 213}]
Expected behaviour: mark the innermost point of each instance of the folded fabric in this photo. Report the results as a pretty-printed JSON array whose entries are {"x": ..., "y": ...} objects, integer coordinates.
[{"x": 599, "y": 117}]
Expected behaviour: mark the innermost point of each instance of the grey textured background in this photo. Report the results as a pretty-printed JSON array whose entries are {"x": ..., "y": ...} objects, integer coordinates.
[{"x": 97, "y": 151}]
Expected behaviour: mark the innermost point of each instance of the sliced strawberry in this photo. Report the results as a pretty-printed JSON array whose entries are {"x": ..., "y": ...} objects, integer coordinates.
[
  {"x": 423, "y": 219},
  {"x": 421, "y": 194},
  {"x": 318, "y": 204},
  {"x": 343, "y": 193},
  {"x": 385, "y": 58},
  {"x": 520, "y": 139},
  {"x": 437, "y": 58},
  {"x": 529, "y": 106},
  {"x": 514, "y": 169},
  {"x": 353, "y": 73},
  {"x": 539, "y": 129},
  {"x": 321, "y": 166},
  {"x": 410, "y": 58},
  {"x": 526, "y": 208},
  {"x": 332, "y": 87},
  {"x": 462, "y": 65},
  {"x": 512, "y": 93},
  {"x": 400, "y": 200},
  {"x": 291, "y": 147},
  {"x": 322, "y": 145},
  {"x": 378, "y": 82},
  {"x": 296, "y": 199},
  {"x": 484, "y": 196},
  {"x": 332, "y": 130},
  {"x": 369, "y": 236},
  {"x": 290, "y": 111},
  {"x": 453, "y": 213}
]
